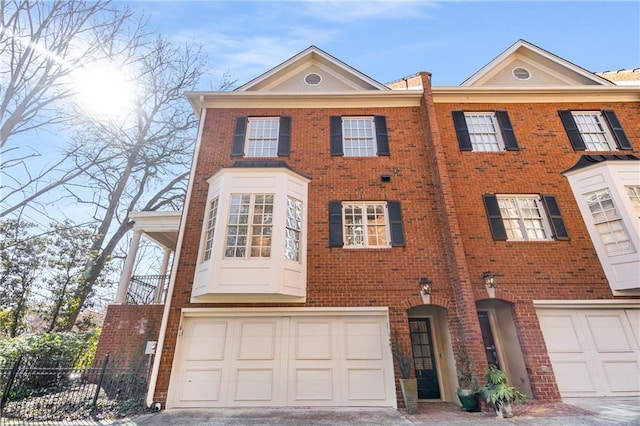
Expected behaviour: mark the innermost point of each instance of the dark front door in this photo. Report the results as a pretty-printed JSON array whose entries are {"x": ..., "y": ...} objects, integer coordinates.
[
  {"x": 487, "y": 338},
  {"x": 424, "y": 359}
]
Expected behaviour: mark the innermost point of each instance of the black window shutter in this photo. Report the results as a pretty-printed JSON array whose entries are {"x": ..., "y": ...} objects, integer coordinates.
[
  {"x": 335, "y": 224},
  {"x": 508, "y": 135},
  {"x": 495, "y": 218},
  {"x": 572, "y": 130},
  {"x": 382, "y": 138},
  {"x": 395, "y": 224},
  {"x": 553, "y": 211},
  {"x": 460, "y": 123},
  {"x": 284, "y": 138},
  {"x": 238, "y": 137},
  {"x": 336, "y": 135},
  {"x": 616, "y": 128}
]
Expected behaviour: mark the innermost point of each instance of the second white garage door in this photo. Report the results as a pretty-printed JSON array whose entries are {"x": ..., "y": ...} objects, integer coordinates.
[
  {"x": 281, "y": 359},
  {"x": 594, "y": 352}
]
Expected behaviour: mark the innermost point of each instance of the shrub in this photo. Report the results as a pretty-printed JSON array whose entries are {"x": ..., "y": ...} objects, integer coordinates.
[{"x": 48, "y": 350}]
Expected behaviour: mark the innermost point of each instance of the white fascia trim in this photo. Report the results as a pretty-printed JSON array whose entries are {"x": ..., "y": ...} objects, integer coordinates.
[
  {"x": 457, "y": 94},
  {"x": 525, "y": 45},
  {"x": 200, "y": 100},
  {"x": 588, "y": 304},
  {"x": 153, "y": 379},
  {"x": 277, "y": 311}
]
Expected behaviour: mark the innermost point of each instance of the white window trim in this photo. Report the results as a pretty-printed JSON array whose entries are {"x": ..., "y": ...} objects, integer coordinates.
[
  {"x": 250, "y": 228},
  {"x": 210, "y": 228},
  {"x": 544, "y": 217},
  {"x": 496, "y": 125},
  {"x": 297, "y": 231},
  {"x": 374, "y": 140},
  {"x": 606, "y": 131},
  {"x": 247, "y": 137},
  {"x": 364, "y": 205},
  {"x": 619, "y": 219},
  {"x": 635, "y": 196}
]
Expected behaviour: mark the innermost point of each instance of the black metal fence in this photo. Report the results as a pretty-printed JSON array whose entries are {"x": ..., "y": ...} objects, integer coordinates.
[
  {"x": 35, "y": 391},
  {"x": 143, "y": 289}
]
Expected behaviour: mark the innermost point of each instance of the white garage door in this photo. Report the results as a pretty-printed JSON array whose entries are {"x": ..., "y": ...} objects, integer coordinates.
[
  {"x": 594, "y": 352},
  {"x": 277, "y": 360}
]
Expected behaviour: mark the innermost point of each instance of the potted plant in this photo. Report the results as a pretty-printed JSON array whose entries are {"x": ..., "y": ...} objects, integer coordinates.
[
  {"x": 408, "y": 385},
  {"x": 499, "y": 393},
  {"x": 468, "y": 387}
]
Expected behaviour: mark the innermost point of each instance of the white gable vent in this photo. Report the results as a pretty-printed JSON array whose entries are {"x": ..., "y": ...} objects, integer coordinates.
[
  {"x": 521, "y": 73},
  {"x": 312, "y": 79}
]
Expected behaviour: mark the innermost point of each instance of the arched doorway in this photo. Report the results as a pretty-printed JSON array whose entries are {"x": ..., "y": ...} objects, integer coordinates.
[
  {"x": 501, "y": 342},
  {"x": 432, "y": 353}
]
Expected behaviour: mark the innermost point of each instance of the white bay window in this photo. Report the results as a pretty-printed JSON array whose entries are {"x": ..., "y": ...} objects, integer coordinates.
[{"x": 253, "y": 244}]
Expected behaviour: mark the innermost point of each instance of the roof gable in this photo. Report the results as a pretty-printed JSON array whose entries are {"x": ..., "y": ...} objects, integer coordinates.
[
  {"x": 544, "y": 70},
  {"x": 291, "y": 76}
]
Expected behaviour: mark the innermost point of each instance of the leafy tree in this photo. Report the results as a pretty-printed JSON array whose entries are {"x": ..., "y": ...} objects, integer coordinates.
[
  {"x": 21, "y": 263},
  {"x": 67, "y": 255}
]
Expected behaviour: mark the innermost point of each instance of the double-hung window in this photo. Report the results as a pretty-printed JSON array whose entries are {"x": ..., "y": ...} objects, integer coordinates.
[
  {"x": 359, "y": 136},
  {"x": 484, "y": 131},
  {"x": 524, "y": 217},
  {"x": 250, "y": 226},
  {"x": 594, "y": 130},
  {"x": 262, "y": 137},
  {"x": 211, "y": 224},
  {"x": 634, "y": 195},
  {"x": 293, "y": 229},
  {"x": 365, "y": 225},
  {"x": 360, "y": 224},
  {"x": 608, "y": 223}
]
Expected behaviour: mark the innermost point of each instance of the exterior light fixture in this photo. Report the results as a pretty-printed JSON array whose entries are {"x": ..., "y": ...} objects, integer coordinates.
[
  {"x": 491, "y": 282},
  {"x": 425, "y": 290},
  {"x": 425, "y": 285}
]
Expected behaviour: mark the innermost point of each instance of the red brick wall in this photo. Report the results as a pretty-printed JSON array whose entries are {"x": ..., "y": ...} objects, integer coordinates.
[
  {"x": 447, "y": 235},
  {"x": 335, "y": 276},
  {"x": 125, "y": 333},
  {"x": 535, "y": 270}
]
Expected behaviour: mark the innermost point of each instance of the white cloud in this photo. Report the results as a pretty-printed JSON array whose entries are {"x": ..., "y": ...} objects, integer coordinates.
[{"x": 247, "y": 55}]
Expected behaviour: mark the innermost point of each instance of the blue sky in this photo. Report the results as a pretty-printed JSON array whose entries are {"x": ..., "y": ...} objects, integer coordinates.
[{"x": 391, "y": 39}]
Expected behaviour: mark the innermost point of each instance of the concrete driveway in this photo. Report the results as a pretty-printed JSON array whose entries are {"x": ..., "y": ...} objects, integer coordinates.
[
  {"x": 587, "y": 411},
  {"x": 573, "y": 412}
]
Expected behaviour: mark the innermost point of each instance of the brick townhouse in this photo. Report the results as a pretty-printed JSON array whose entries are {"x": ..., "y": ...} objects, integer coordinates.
[{"x": 330, "y": 217}]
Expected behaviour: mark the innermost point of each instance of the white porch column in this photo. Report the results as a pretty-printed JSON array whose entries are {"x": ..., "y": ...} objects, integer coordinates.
[
  {"x": 163, "y": 271},
  {"x": 121, "y": 297}
]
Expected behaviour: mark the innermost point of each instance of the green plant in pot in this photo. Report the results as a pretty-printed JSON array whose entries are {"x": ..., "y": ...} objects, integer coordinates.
[
  {"x": 468, "y": 387},
  {"x": 499, "y": 393},
  {"x": 408, "y": 384}
]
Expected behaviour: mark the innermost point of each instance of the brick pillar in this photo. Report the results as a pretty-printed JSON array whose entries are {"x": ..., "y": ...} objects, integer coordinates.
[{"x": 463, "y": 320}]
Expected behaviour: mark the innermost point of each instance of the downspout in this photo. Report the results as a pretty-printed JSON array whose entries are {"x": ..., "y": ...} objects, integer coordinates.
[{"x": 153, "y": 379}]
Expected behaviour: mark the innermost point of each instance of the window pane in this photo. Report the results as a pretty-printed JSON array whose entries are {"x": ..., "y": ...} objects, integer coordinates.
[
  {"x": 594, "y": 131},
  {"x": 358, "y": 137},
  {"x": 523, "y": 218},
  {"x": 634, "y": 195},
  {"x": 365, "y": 225},
  {"x": 262, "y": 137},
  {"x": 239, "y": 234},
  {"x": 293, "y": 229},
  {"x": 211, "y": 223},
  {"x": 484, "y": 132},
  {"x": 613, "y": 234}
]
